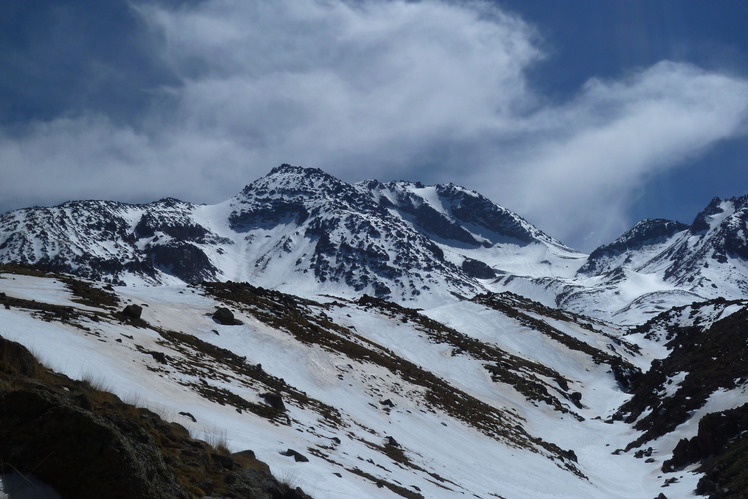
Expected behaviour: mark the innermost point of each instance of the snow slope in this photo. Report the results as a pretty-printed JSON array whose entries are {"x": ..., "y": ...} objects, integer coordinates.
[{"x": 429, "y": 403}]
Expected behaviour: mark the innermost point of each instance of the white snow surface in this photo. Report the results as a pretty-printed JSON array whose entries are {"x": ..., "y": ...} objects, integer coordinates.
[{"x": 454, "y": 458}]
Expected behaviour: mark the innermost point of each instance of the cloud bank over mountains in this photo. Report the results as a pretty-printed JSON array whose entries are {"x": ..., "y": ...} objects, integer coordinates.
[{"x": 436, "y": 91}]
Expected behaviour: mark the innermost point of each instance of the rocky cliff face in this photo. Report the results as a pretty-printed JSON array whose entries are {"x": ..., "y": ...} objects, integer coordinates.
[
  {"x": 635, "y": 247},
  {"x": 110, "y": 241}
]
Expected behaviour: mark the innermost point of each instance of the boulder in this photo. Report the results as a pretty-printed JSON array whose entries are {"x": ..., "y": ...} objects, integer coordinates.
[
  {"x": 298, "y": 457},
  {"x": 133, "y": 311},
  {"x": 274, "y": 400},
  {"x": 88, "y": 454},
  {"x": 225, "y": 317}
]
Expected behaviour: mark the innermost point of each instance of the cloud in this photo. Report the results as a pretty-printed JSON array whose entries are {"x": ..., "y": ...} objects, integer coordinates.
[
  {"x": 592, "y": 155},
  {"x": 431, "y": 90}
]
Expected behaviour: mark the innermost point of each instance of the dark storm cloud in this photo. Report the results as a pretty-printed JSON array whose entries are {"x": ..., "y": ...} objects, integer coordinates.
[
  {"x": 217, "y": 92},
  {"x": 66, "y": 57}
]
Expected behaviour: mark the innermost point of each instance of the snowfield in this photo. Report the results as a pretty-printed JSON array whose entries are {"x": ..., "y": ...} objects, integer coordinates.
[{"x": 437, "y": 453}]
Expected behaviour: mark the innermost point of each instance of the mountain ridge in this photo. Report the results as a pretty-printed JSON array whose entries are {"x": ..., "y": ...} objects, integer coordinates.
[{"x": 305, "y": 231}]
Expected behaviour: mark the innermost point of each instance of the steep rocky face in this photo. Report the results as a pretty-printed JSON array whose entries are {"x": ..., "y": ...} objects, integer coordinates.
[
  {"x": 715, "y": 253},
  {"x": 337, "y": 233},
  {"x": 703, "y": 376},
  {"x": 707, "y": 356},
  {"x": 717, "y": 237},
  {"x": 109, "y": 241},
  {"x": 455, "y": 215},
  {"x": 646, "y": 239},
  {"x": 660, "y": 264}
]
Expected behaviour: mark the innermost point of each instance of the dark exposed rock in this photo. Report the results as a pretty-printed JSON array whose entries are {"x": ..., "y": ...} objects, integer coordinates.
[
  {"x": 253, "y": 483},
  {"x": 132, "y": 311},
  {"x": 477, "y": 269},
  {"x": 188, "y": 415},
  {"x": 88, "y": 444},
  {"x": 391, "y": 441},
  {"x": 247, "y": 459},
  {"x": 298, "y": 457},
  {"x": 272, "y": 213},
  {"x": 159, "y": 357},
  {"x": 701, "y": 222},
  {"x": 225, "y": 317},
  {"x": 714, "y": 358},
  {"x": 495, "y": 223},
  {"x": 225, "y": 462},
  {"x": 570, "y": 455},
  {"x": 576, "y": 399},
  {"x": 274, "y": 400},
  {"x": 183, "y": 260},
  {"x": 88, "y": 453},
  {"x": 645, "y": 233},
  {"x": 16, "y": 360},
  {"x": 716, "y": 431},
  {"x": 177, "y": 227},
  {"x": 627, "y": 375}
]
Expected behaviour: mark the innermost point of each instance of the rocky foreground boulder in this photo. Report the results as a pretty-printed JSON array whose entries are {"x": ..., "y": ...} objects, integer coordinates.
[{"x": 87, "y": 443}]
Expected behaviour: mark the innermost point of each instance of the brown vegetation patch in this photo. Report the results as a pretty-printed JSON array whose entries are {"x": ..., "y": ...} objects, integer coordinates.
[{"x": 297, "y": 317}]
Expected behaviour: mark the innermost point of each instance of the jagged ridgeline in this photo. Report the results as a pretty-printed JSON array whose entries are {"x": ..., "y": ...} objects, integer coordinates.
[
  {"x": 302, "y": 226},
  {"x": 303, "y": 231}
]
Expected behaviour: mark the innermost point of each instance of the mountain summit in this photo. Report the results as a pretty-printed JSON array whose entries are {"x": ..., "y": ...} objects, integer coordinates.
[
  {"x": 303, "y": 231},
  {"x": 297, "y": 229}
]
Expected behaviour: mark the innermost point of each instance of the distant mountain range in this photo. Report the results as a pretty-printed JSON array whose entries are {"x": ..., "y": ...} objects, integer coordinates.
[{"x": 303, "y": 231}]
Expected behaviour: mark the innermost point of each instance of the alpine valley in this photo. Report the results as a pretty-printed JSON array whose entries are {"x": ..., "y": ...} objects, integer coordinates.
[{"x": 310, "y": 337}]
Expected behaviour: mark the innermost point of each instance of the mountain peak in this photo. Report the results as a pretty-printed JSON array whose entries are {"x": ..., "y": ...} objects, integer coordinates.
[
  {"x": 647, "y": 237},
  {"x": 294, "y": 181},
  {"x": 286, "y": 169},
  {"x": 717, "y": 211},
  {"x": 646, "y": 232}
]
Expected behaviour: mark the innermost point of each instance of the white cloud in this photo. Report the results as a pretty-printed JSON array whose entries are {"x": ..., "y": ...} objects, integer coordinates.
[{"x": 379, "y": 88}]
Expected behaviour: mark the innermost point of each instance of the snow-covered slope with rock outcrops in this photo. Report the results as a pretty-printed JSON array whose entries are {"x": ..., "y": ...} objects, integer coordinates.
[
  {"x": 657, "y": 265},
  {"x": 378, "y": 399}
]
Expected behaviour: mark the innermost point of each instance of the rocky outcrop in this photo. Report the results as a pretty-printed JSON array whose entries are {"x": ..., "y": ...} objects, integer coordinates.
[
  {"x": 132, "y": 311},
  {"x": 715, "y": 357},
  {"x": 86, "y": 443},
  {"x": 225, "y": 317},
  {"x": 648, "y": 235}
]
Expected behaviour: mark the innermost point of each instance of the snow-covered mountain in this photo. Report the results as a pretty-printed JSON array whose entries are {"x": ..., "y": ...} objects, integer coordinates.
[
  {"x": 296, "y": 229},
  {"x": 656, "y": 265},
  {"x": 283, "y": 321},
  {"x": 634, "y": 248},
  {"x": 303, "y": 231}
]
